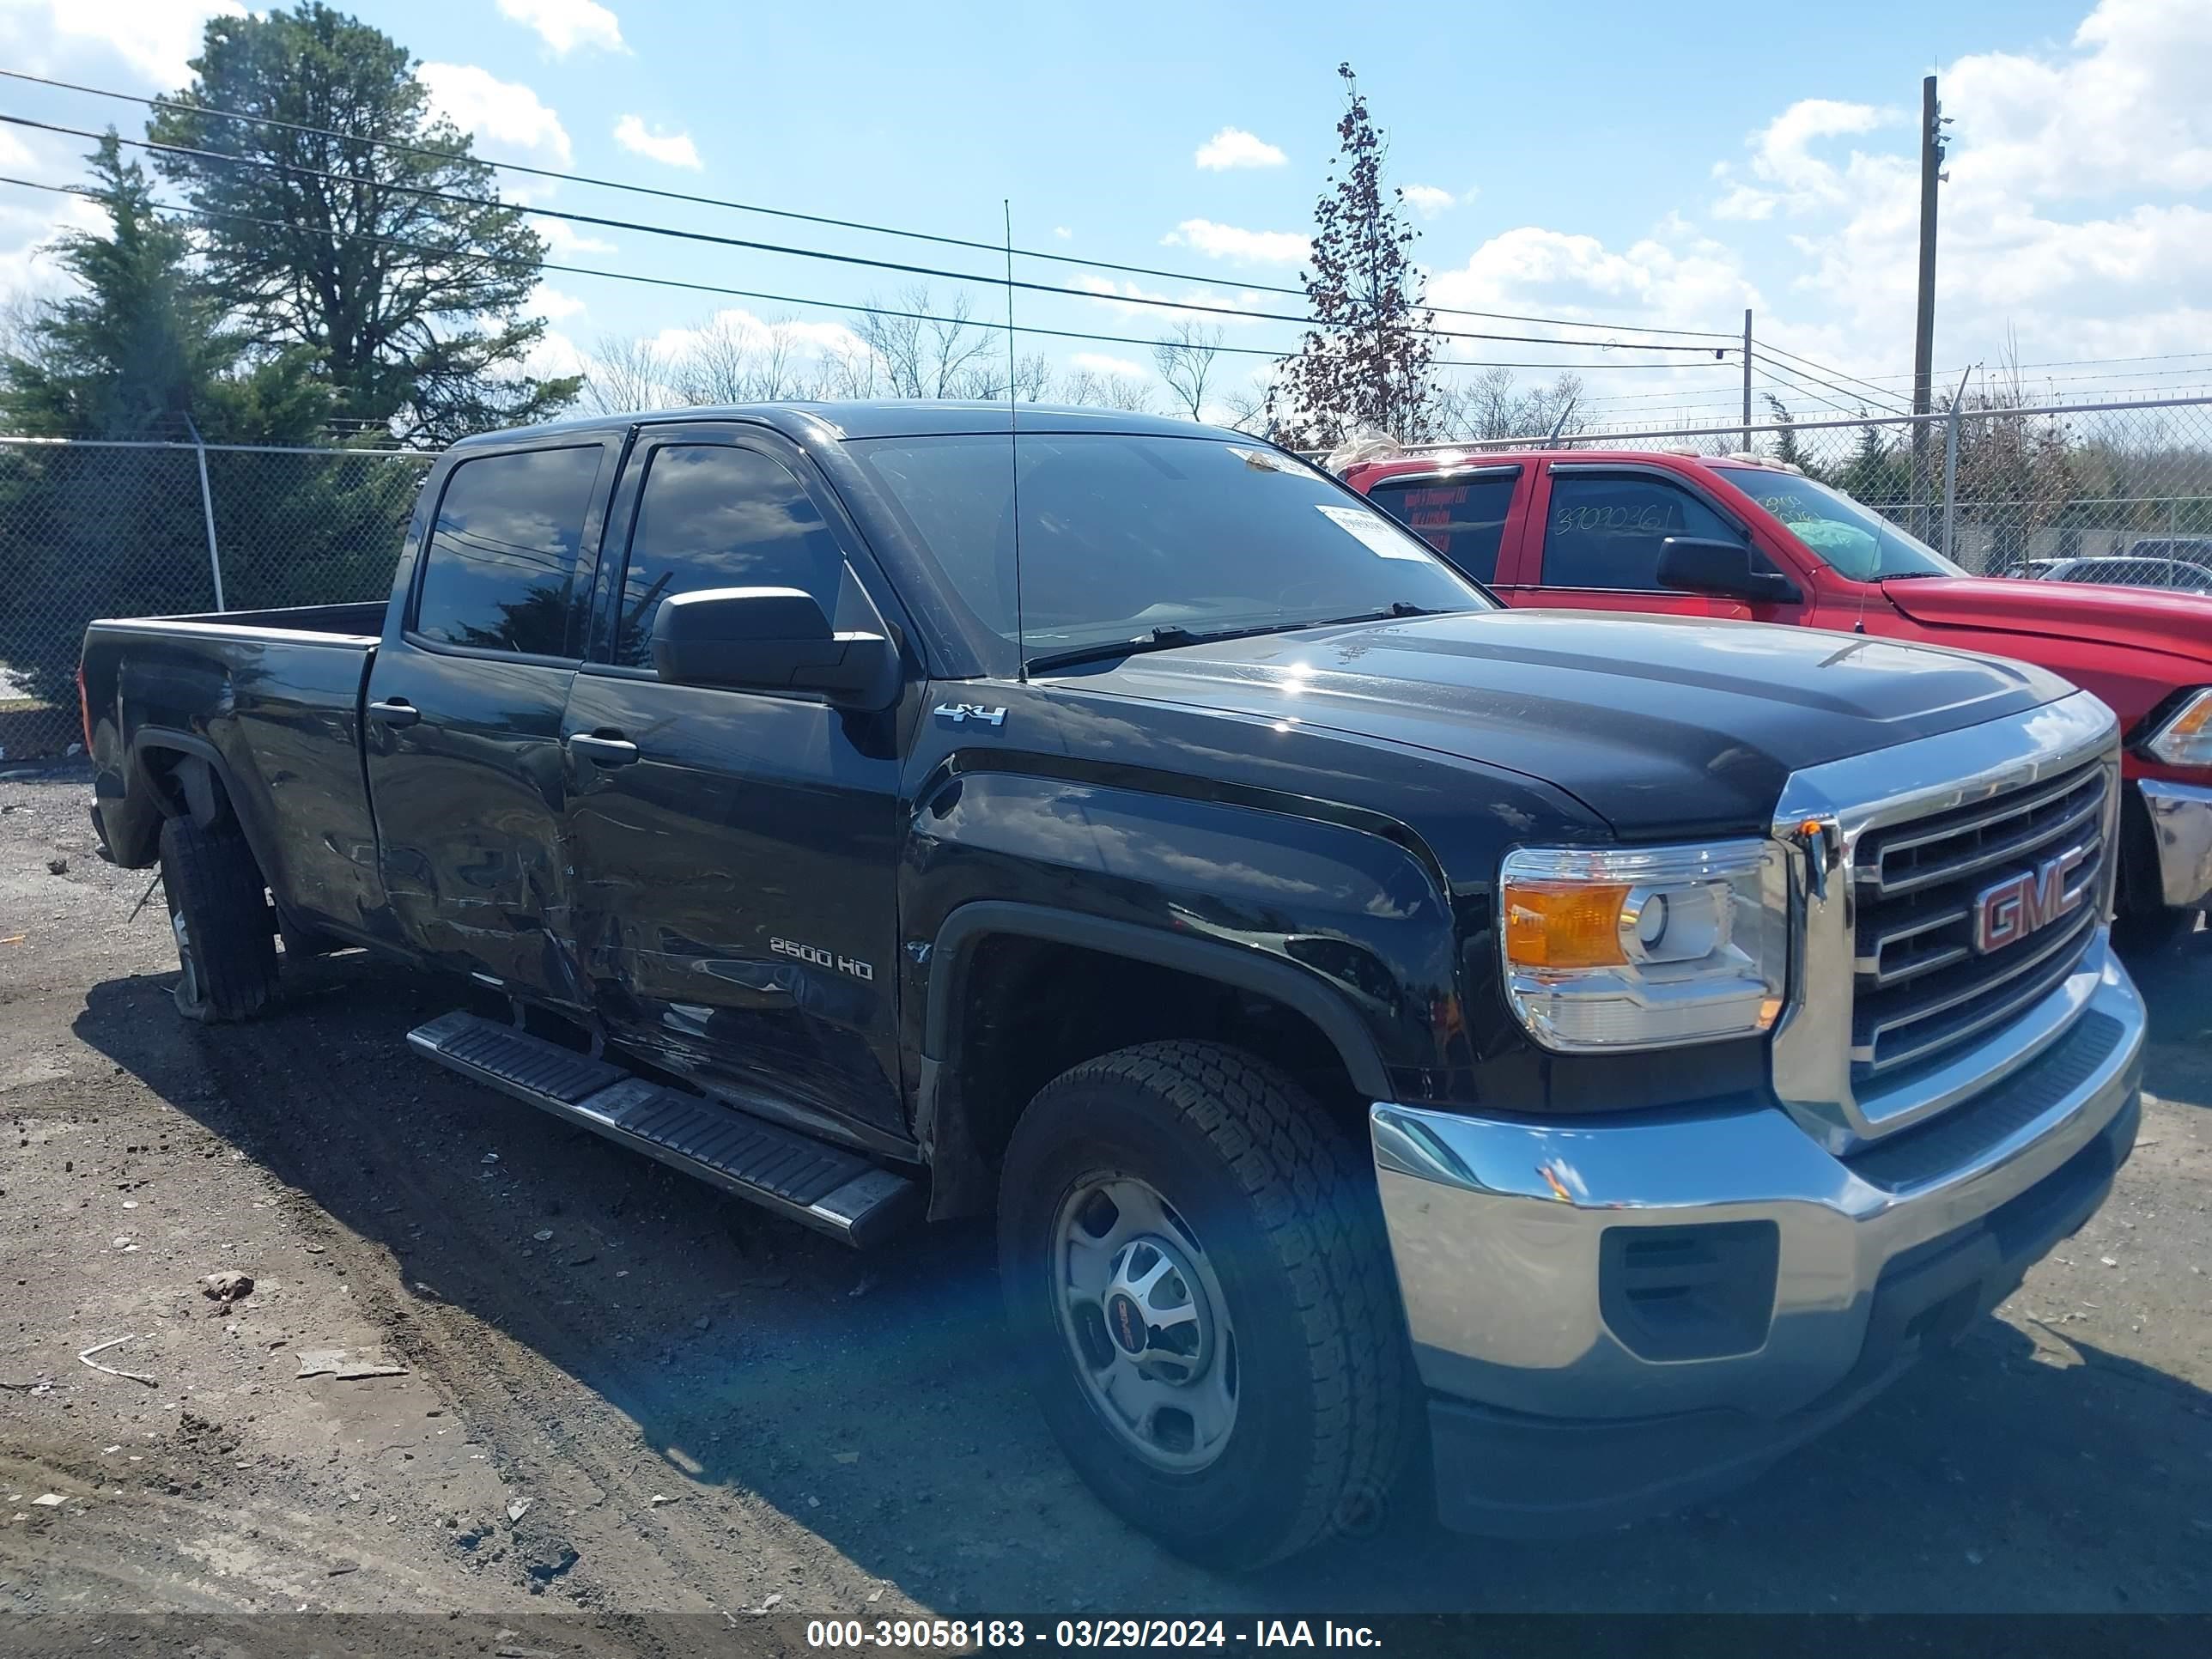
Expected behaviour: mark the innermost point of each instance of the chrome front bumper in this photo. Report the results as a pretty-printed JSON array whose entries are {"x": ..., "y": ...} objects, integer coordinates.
[
  {"x": 1499, "y": 1228},
  {"x": 2181, "y": 821}
]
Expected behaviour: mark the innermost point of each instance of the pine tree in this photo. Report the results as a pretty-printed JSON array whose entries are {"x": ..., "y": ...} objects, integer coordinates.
[
  {"x": 143, "y": 349},
  {"x": 340, "y": 232},
  {"x": 1365, "y": 365}
]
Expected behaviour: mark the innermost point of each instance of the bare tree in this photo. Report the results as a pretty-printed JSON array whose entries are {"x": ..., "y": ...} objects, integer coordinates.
[
  {"x": 1494, "y": 405},
  {"x": 624, "y": 375},
  {"x": 927, "y": 352},
  {"x": 1089, "y": 387},
  {"x": 1032, "y": 380},
  {"x": 745, "y": 361},
  {"x": 1249, "y": 408},
  {"x": 1185, "y": 360}
]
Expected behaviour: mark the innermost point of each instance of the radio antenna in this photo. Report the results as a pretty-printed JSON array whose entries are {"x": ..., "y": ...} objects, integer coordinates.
[{"x": 1014, "y": 451}]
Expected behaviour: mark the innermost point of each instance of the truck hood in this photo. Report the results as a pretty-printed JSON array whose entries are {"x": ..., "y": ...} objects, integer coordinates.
[
  {"x": 2141, "y": 619},
  {"x": 1663, "y": 726}
]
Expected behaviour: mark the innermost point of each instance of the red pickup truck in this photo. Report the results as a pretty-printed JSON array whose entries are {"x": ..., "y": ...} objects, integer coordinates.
[{"x": 1710, "y": 537}]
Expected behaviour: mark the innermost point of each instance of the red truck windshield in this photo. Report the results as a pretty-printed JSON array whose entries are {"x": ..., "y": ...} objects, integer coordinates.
[{"x": 1855, "y": 540}]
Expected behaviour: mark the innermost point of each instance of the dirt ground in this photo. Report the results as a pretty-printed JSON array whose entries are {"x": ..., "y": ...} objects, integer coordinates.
[{"x": 616, "y": 1390}]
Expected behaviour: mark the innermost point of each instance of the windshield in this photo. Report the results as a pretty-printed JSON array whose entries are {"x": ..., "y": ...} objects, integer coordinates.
[
  {"x": 1855, "y": 540},
  {"x": 1123, "y": 534}
]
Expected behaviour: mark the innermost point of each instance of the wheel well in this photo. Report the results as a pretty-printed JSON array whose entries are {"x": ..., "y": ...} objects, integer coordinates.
[
  {"x": 1030, "y": 1008},
  {"x": 2140, "y": 890}
]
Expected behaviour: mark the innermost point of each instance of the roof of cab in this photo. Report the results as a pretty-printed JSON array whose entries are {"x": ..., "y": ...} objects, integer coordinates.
[{"x": 880, "y": 418}]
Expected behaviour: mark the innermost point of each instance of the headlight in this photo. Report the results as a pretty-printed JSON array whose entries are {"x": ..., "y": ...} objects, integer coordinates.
[
  {"x": 2186, "y": 738},
  {"x": 1645, "y": 947}
]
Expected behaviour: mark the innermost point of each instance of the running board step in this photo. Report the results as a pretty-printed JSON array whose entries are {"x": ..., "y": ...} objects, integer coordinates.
[{"x": 824, "y": 1187}]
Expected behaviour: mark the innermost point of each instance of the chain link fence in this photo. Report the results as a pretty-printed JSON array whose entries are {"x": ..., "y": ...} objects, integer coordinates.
[
  {"x": 2005, "y": 490},
  {"x": 97, "y": 528}
]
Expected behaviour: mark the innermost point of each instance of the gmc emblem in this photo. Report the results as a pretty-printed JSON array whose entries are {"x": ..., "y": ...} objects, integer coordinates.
[{"x": 2020, "y": 905}]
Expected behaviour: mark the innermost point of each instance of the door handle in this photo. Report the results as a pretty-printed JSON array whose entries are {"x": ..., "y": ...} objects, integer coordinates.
[
  {"x": 394, "y": 711},
  {"x": 602, "y": 751}
]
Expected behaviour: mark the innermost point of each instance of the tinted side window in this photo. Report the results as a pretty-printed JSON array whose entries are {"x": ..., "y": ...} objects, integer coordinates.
[
  {"x": 1605, "y": 532},
  {"x": 711, "y": 516},
  {"x": 1463, "y": 521},
  {"x": 501, "y": 569}
]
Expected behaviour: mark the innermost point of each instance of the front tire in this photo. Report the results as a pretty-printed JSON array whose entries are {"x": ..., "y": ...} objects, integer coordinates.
[
  {"x": 1200, "y": 1288},
  {"x": 219, "y": 914}
]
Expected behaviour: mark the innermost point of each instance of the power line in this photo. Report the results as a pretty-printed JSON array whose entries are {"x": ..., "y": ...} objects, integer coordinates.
[
  {"x": 604, "y": 222},
  {"x": 864, "y": 226},
  {"x": 754, "y": 293},
  {"x": 1802, "y": 376},
  {"x": 1776, "y": 351}
]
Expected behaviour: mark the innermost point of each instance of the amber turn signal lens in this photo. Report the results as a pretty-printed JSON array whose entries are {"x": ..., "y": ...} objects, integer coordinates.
[{"x": 1564, "y": 924}]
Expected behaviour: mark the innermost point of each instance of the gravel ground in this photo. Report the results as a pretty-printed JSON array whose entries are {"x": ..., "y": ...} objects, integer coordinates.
[{"x": 615, "y": 1389}]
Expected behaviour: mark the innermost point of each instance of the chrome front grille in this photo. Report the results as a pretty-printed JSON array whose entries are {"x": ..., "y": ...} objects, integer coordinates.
[{"x": 1922, "y": 986}]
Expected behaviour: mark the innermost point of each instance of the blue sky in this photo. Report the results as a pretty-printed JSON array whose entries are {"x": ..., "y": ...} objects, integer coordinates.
[{"x": 1616, "y": 162}]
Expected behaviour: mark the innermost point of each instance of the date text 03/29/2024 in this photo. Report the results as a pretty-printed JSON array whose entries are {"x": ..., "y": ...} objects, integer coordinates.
[{"x": 965, "y": 1633}]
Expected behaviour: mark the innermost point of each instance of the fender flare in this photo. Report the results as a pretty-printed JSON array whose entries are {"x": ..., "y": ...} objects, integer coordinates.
[
  {"x": 952, "y": 951},
  {"x": 960, "y": 1179},
  {"x": 200, "y": 799}
]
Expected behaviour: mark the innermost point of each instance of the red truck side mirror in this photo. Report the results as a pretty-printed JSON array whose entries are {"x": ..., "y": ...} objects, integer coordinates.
[{"x": 1702, "y": 564}]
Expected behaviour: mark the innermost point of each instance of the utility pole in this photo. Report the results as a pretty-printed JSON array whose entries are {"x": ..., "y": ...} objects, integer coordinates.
[
  {"x": 1747, "y": 378},
  {"x": 1923, "y": 330}
]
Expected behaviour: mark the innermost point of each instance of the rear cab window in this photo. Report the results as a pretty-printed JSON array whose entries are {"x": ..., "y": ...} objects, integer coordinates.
[
  {"x": 499, "y": 564},
  {"x": 1463, "y": 519}
]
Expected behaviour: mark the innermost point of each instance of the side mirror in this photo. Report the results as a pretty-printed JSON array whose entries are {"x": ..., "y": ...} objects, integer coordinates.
[
  {"x": 1701, "y": 564},
  {"x": 770, "y": 639}
]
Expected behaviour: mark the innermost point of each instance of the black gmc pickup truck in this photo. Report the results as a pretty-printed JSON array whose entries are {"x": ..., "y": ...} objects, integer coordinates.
[{"x": 1593, "y": 1053}]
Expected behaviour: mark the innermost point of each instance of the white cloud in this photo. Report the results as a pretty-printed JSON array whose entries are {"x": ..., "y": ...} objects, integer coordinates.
[
  {"x": 1233, "y": 146},
  {"x": 1099, "y": 364},
  {"x": 156, "y": 38},
  {"x": 552, "y": 304},
  {"x": 564, "y": 25},
  {"x": 673, "y": 150},
  {"x": 13, "y": 152},
  {"x": 27, "y": 228},
  {"x": 506, "y": 113},
  {"x": 1130, "y": 298},
  {"x": 1274, "y": 247},
  {"x": 1062, "y": 231},
  {"x": 565, "y": 239},
  {"x": 1429, "y": 200},
  {"x": 748, "y": 332},
  {"x": 554, "y": 354},
  {"x": 2066, "y": 217}
]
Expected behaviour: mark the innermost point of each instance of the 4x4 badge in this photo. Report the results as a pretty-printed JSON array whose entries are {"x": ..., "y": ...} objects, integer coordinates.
[{"x": 955, "y": 713}]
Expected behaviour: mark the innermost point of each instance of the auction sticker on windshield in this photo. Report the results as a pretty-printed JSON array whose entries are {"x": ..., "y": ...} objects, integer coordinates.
[{"x": 1382, "y": 537}]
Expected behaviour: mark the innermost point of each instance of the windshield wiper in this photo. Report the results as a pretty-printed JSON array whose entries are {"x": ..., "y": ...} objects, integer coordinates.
[
  {"x": 1160, "y": 639},
  {"x": 1169, "y": 638},
  {"x": 1398, "y": 609}
]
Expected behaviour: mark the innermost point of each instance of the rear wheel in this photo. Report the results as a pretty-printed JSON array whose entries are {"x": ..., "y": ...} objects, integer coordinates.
[
  {"x": 220, "y": 915},
  {"x": 1198, "y": 1282}
]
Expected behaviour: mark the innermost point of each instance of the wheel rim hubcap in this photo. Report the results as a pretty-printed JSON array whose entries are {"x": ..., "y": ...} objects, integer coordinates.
[{"x": 1142, "y": 1312}]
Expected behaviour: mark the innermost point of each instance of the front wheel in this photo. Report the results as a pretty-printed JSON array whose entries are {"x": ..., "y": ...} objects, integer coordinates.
[{"x": 1199, "y": 1285}]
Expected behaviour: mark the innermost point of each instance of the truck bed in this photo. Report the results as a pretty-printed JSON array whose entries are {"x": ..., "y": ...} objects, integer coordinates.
[{"x": 270, "y": 699}]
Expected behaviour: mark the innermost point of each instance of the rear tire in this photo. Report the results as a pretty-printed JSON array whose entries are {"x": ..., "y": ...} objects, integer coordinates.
[
  {"x": 220, "y": 915},
  {"x": 1267, "y": 1408}
]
